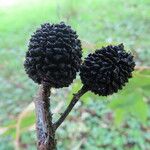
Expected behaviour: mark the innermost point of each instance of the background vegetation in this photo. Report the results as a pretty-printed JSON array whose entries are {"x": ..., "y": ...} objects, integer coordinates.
[{"x": 117, "y": 122}]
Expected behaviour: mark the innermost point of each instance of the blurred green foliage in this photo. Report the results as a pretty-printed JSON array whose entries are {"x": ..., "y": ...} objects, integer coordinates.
[{"x": 117, "y": 122}]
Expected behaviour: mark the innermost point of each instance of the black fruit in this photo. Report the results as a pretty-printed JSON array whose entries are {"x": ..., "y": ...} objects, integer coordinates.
[
  {"x": 54, "y": 55},
  {"x": 107, "y": 70}
]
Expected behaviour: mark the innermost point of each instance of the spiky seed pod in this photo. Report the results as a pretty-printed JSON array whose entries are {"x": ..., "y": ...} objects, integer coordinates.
[
  {"x": 107, "y": 70},
  {"x": 54, "y": 55}
]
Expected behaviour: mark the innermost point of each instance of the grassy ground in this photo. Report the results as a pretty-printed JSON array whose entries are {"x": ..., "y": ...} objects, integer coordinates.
[{"x": 98, "y": 23}]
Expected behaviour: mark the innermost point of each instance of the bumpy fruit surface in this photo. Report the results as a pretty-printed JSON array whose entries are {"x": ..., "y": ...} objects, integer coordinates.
[
  {"x": 54, "y": 55},
  {"x": 107, "y": 70}
]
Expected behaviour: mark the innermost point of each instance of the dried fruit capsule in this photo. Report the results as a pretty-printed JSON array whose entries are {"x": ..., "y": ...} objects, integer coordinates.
[
  {"x": 107, "y": 70},
  {"x": 54, "y": 55}
]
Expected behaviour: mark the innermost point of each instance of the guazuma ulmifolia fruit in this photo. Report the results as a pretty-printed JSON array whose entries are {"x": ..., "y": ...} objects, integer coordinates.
[
  {"x": 54, "y": 55},
  {"x": 53, "y": 59},
  {"x": 107, "y": 70}
]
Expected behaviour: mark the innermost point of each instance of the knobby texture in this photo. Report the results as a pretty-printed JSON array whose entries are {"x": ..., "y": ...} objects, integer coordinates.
[
  {"x": 54, "y": 55},
  {"x": 107, "y": 70},
  {"x": 44, "y": 127},
  {"x": 74, "y": 100}
]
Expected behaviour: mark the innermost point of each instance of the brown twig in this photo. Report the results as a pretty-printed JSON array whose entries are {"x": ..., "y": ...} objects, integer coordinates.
[
  {"x": 44, "y": 127},
  {"x": 140, "y": 68},
  {"x": 74, "y": 100}
]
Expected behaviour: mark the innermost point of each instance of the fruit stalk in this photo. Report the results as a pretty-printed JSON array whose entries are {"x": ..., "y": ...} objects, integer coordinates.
[
  {"x": 44, "y": 127},
  {"x": 74, "y": 100}
]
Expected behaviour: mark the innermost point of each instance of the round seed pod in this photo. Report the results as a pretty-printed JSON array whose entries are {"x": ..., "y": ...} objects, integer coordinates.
[
  {"x": 107, "y": 70},
  {"x": 54, "y": 55}
]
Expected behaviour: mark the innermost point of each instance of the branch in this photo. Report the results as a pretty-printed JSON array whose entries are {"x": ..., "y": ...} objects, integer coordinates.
[
  {"x": 44, "y": 127},
  {"x": 74, "y": 100},
  {"x": 140, "y": 68}
]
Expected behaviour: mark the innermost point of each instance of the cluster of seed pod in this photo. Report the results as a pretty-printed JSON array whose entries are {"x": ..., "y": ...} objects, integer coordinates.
[{"x": 54, "y": 56}]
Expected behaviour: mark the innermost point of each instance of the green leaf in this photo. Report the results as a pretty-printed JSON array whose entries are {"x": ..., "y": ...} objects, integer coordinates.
[
  {"x": 74, "y": 89},
  {"x": 140, "y": 109},
  {"x": 10, "y": 132},
  {"x": 140, "y": 79},
  {"x": 127, "y": 105},
  {"x": 119, "y": 116},
  {"x": 27, "y": 121}
]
